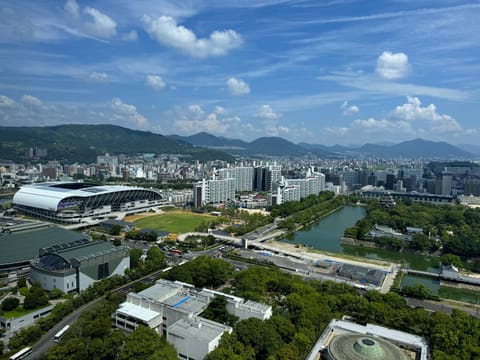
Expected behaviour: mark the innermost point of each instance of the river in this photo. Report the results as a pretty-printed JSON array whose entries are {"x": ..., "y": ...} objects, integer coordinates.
[{"x": 326, "y": 233}]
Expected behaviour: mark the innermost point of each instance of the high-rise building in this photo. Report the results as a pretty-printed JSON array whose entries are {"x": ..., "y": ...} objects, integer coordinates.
[
  {"x": 446, "y": 188},
  {"x": 390, "y": 181},
  {"x": 214, "y": 191},
  {"x": 472, "y": 187}
]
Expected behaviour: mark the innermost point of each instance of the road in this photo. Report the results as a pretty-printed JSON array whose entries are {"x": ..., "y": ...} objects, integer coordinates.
[
  {"x": 440, "y": 307},
  {"x": 46, "y": 341}
]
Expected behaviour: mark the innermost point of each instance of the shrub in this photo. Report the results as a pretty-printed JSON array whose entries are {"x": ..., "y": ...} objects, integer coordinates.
[{"x": 10, "y": 303}]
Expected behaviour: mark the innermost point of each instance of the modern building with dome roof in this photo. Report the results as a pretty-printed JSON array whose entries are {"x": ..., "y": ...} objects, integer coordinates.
[
  {"x": 360, "y": 347},
  {"x": 69, "y": 202},
  {"x": 346, "y": 340}
]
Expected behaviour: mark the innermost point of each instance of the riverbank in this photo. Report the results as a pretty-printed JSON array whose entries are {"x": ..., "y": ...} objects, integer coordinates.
[{"x": 315, "y": 254}]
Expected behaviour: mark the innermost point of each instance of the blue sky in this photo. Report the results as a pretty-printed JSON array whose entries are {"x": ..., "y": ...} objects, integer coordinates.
[{"x": 330, "y": 71}]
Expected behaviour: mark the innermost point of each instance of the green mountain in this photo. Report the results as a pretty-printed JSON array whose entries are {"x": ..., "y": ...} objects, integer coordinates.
[{"x": 82, "y": 143}]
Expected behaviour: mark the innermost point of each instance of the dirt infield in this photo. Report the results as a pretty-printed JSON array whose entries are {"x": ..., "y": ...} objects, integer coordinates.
[{"x": 132, "y": 218}]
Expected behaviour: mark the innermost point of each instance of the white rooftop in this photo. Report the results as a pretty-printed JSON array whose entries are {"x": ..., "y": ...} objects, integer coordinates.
[
  {"x": 198, "y": 328},
  {"x": 138, "y": 312},
  {"x": 162, "y": 290}
]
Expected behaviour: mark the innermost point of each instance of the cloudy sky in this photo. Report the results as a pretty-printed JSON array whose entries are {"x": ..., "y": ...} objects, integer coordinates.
[{"x": 330, "y": 71}]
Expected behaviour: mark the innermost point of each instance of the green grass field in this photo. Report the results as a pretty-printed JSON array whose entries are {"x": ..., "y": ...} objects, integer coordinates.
[{"x": 173, "y": 222}]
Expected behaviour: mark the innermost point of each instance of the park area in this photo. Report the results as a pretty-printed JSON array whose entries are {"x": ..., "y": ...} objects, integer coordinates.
[{"x": 173, "y": 221}]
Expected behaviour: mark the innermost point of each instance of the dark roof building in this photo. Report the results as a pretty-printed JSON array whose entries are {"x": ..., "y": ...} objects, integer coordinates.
[
  {"x": 75, "y": 266},
  {"x": 20, "y": 245}
]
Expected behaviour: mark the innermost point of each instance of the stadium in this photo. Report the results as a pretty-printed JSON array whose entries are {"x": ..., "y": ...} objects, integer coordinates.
[{"x": 69, "y": 202}]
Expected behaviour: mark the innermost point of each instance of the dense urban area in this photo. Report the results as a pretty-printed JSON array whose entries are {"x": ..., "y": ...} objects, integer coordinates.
[
  {"x": 239, "y": 180},
  {"x": 160, "y": 256}
]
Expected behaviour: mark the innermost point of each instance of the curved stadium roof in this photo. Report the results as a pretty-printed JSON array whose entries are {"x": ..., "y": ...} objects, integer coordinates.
[{"x": 48, "y": 195}]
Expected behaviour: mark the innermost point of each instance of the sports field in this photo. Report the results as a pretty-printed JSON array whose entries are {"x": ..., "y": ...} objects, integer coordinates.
[{"x": 175, "y": 222}]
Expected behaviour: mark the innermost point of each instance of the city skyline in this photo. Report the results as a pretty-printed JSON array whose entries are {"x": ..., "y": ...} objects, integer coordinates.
[{"x": 342, "y": 72}]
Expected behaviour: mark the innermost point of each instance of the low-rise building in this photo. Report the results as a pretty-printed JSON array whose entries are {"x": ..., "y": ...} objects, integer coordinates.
[
  {"x": 173, "y": 310},
  {"x": 75, "y": 266}
]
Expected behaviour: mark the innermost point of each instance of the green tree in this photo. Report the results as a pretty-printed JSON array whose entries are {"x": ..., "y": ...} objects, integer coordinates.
[
  {"x": 217, "y": 311},
  {"x": 55, "y": 294},
  {"x": 115, "y": 230},
  {"x": 31, "y": 301},
  {"x": 145, "y": 344},
  {"x": 22, "y": 282},
  {"x": 450, "y": 259},
  {"x": 135, "y": 255},
  {"x": 417, "y": 290},
  {"x": 10, "y": 303},
  {"x": 155, "y": 258}
]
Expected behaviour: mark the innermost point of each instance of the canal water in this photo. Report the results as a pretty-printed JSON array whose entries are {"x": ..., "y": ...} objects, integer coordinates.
[{"x": 326, "y": 234}]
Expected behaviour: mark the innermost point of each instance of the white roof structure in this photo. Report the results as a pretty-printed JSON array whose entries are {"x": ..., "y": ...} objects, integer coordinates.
[
  {"x": 48, "y": 195},
  {"x": 395, "y": 336},
  {"x": 138, "y": 312}
]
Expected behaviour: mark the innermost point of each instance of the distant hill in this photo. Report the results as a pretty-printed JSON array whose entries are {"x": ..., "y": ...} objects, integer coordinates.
[
  {"x": 474, "y": 149},
  {"x": 212, "y": 141},
  {"x": 277, "y": 146},
  {"x": 82, "y": 143},
  {"x": 417, "y": 148},
  {"x": 271, "y": 146}
]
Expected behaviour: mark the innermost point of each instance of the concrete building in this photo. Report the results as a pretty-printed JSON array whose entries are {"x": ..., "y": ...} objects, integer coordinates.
[
  {"x": 214, "y": 191},
  {"x": 296, "y": 189},
  {"x": 74, "y": 266},
  {"x": 243, "y": 176},
  {"x": 173, "y": 310},
  {"x": 20, "y": 242},
  {"x": 14, "y": 324}
]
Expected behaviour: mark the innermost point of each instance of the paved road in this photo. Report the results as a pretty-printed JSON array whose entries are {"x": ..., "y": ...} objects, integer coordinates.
[
  {"x": 440, "y": 307},
  {"x": 46, "y": 341}
]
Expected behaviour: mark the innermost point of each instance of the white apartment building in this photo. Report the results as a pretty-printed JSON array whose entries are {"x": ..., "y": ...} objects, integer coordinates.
[
  {"x": 243, "y": 177},
  {"x": 296, "y": 189},
  {"x": 214, "y": 191}
]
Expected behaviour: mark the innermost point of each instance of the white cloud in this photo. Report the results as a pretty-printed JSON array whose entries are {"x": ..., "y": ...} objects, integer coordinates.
[
  {"x": 266, "y": 112},
  {"x": 195, "y": 110},
  {"x": 220, "y": 110},
  {"x": 5, "y": 101},
  {"x": 237, "y": 87},
  {"x": 342, "y": 131},
  {"x": 413, "y": 111},
  {"x": 99, "y": 77},
  {"x": 128, "y": 112},
  {"x": 130, "y": 36},
  {"x": 100, "y": 24},
  {"x": 90, "y": 22},
  {"x": 166, "y": 31},
  {"x": 375, "y": 85},
  {"x": 349, "y": 109},
  {"x": 32, "y": 101},
  {"x": 72, "y": 9},
  {"x": 155, "y": 82},
  {"x": 194, "y": 119},
  {"x": 392, "y": 66},
  {"x": 405, "y": 122}
]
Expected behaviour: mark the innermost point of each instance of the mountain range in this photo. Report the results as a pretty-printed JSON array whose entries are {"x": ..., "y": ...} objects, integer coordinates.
[
  {"x": 82, "y": 143},
  {"x": 276, "y": 146}
]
